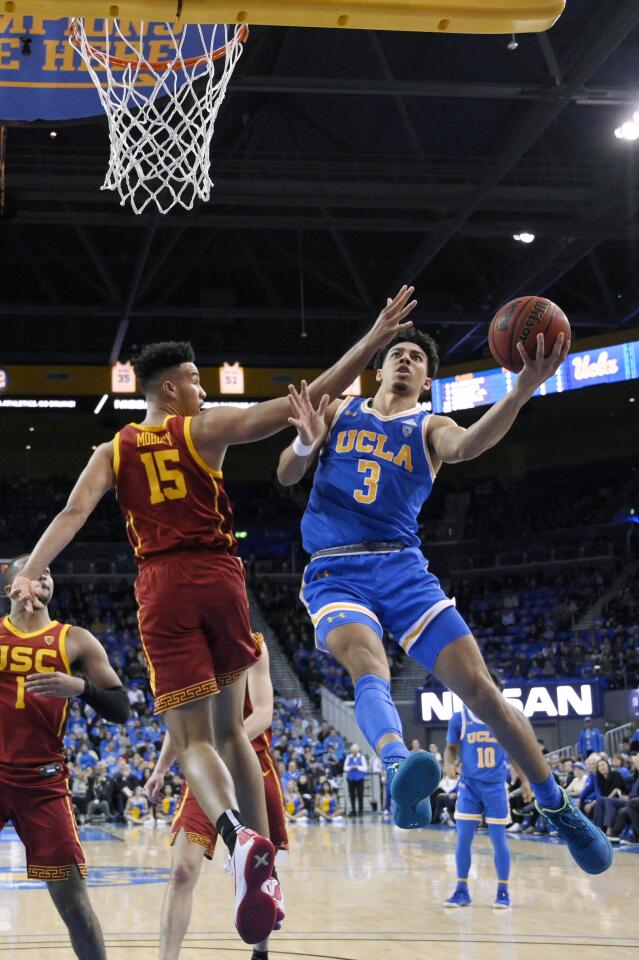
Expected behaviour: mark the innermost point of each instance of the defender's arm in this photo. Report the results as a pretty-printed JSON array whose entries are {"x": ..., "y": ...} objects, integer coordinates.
[{"x": 92, "y": 484}]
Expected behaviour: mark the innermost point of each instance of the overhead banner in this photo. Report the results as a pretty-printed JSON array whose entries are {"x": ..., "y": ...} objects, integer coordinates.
[
  {"x": 43, "y": 78},
  {"x": 537, "y": 701}
]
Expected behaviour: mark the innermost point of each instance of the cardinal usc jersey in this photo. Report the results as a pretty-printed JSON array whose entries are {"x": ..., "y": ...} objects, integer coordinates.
[
  {"x": 31, "y": 727},
  {"x": 170, "y": 498}
]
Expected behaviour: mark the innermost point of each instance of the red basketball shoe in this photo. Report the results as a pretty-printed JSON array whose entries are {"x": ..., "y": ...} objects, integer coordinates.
[
  {"x": 252, "y": 864},
  {"x": 273, "y": 888}
]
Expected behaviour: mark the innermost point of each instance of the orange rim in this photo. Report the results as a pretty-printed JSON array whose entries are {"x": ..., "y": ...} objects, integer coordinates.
[{"x": 160, "y": 66}]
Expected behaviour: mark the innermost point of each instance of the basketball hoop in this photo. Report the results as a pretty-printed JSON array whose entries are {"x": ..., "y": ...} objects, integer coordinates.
[{"x": 161, "y": 112}]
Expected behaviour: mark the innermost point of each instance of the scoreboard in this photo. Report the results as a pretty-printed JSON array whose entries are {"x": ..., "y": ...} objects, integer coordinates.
[{"x": 588, "y": 368}]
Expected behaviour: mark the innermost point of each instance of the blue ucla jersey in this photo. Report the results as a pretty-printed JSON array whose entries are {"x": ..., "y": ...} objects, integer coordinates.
[
  {"x": 482, "y": 757},
  {"x": 372, "y": 477}
]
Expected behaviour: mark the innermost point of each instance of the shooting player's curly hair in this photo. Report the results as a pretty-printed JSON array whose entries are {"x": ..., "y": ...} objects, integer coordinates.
[{"x": 412, "y": 335}]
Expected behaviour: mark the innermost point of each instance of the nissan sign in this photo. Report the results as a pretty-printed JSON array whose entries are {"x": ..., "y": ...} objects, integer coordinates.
[{"x": 537, "y": 701}]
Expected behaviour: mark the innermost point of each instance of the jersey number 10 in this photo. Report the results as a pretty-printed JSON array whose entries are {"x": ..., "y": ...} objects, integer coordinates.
[
  {"x": 164, "y": 483},
  {"x": 485, "y": 757}
]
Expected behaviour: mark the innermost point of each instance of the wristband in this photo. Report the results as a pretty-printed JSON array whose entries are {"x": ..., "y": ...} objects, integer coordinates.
[{"x": 302, "y": 449}]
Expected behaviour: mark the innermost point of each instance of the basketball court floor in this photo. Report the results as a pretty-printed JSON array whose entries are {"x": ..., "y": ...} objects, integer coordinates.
[{"x": 360, "y": 891}]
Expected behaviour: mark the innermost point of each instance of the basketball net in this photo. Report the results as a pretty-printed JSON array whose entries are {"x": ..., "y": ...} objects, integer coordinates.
[{"x": 161, "y": 114}]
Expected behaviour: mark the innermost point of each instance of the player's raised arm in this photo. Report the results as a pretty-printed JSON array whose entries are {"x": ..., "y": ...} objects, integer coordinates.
[
  {"x": 452, "y": 444},
  {"x": 222, "y": 427},
  {"x": 92, "y": 484}
]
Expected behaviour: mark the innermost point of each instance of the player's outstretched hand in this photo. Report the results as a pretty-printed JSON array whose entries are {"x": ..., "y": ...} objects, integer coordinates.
[
  {"x": 54, "y": 684},
  {"x": 307, "y": 420},
  {"x": 27, "y": 592},
  {"x": 539, "y": 368},
  {"x": 154, "y": 787},
  {"x": 392, "y": 320}
]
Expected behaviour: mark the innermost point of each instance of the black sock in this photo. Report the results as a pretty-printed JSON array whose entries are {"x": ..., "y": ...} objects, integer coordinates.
[
  {"x": 259, "y": 954},
  {"x": 228, "y": 826}
]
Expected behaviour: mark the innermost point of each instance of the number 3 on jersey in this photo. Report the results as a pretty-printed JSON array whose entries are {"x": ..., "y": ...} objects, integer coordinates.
[
  {"x": 164, "y": 483},
  {"x": 371, "y": 482}
]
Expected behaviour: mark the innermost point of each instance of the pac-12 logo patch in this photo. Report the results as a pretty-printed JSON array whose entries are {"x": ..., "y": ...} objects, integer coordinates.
[{"x": 49, "y": 640}]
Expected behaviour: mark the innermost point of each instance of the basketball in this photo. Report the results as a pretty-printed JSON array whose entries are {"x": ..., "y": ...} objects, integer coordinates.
[{"x": 519, "y": 321}]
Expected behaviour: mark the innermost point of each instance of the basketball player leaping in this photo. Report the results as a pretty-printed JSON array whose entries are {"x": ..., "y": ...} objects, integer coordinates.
[
  {"x": 37, "y": 655},
  {"x": 377, "y": 466},
  {"x": 193, "y": 610},
  {"x": 193, "y": 836}
]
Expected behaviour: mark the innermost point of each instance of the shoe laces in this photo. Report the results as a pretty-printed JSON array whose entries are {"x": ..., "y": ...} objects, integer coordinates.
[{"x": 581, "y": 829}]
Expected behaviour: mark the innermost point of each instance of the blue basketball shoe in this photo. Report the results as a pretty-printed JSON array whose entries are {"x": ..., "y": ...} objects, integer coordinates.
[
  {"x": 502, "y": 900},
  {"x": 590, "y": 847},
  {"x": 411, "y": 782},
  {"x": 460, "y": 898}
]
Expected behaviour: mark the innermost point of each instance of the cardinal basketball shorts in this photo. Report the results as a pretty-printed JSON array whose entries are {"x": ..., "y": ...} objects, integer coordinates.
[
  {"x": 194, "y": 625},
  {"x": 42, "y": 815}
]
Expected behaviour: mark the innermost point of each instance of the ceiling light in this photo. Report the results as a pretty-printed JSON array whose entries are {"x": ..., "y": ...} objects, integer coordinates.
[
  {"x": 628, "y": 130},
  {"x": 512, "y": 44},
  {"x": 524, "y": 237}
]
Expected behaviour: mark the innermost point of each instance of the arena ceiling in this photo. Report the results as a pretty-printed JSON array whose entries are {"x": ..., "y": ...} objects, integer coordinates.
[{"x": 346, "y": 163}]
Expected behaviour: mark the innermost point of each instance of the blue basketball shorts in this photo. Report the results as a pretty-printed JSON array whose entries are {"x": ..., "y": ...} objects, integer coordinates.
[
  {"x": 475, "y": 797},
  {"x": 385, "y": 591}
]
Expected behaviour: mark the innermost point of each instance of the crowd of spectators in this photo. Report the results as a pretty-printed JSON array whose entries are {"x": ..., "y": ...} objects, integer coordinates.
[
  {"x": 525, "y": 625},
  {"x": 573, "y": 497}
]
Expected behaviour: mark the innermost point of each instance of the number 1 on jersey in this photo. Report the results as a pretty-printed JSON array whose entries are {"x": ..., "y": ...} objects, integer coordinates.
[
  {"x": 371, "y": 482},
  {"x": 20, "y": 694},
  {"x": 164, "y": 484}
]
